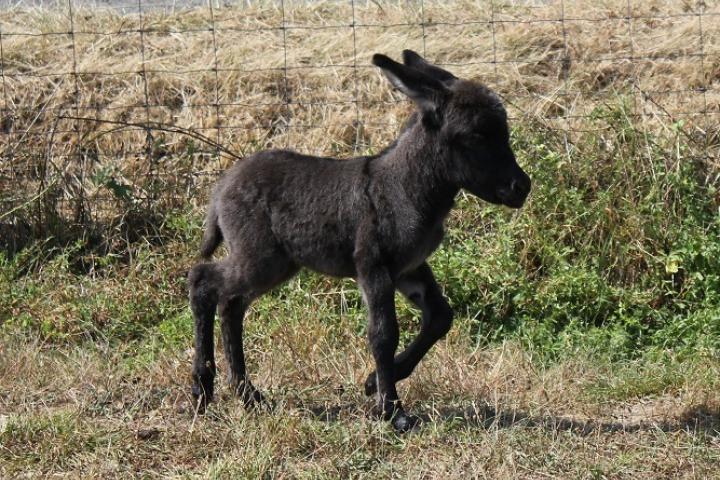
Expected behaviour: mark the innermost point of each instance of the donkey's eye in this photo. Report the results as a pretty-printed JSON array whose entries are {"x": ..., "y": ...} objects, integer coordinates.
[
  {"x": 473, "y": 139},
  {"x": 470, "y": 140}
]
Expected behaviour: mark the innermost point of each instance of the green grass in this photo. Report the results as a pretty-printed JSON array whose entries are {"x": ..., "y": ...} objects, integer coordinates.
[{"x": 586, "y": 341}]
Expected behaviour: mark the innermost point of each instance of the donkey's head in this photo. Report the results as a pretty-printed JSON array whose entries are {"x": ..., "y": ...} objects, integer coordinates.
[{"x": 470, "y": 124}]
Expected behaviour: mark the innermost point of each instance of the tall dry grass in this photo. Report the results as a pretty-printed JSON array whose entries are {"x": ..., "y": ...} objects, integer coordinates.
[{"x": 235, "y": 75}]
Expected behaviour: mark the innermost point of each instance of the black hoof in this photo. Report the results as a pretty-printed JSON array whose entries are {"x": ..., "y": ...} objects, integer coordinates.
[
  {"x": 403, "y": 423},
  {"x": 202, "y": 396},
  {"x": 371, "y": 385},
  {"x": 251, "y": 397},
  {"x": 395, "y": 414},
  {"x": 203, "y": 381}
]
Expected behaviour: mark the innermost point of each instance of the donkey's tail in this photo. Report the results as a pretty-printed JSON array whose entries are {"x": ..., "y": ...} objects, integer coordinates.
[{"x": 212, "y": 236}]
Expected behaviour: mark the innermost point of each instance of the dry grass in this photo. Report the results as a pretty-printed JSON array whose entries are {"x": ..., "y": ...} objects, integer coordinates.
[
  {"x": 94, "y": 365},
  {"x": 492, "y": 414},
  {"x": 103, "y": 392},
  {"x": 545, "y": 69}
]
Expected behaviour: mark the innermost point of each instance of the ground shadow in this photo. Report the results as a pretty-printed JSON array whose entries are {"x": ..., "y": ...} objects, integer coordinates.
[{"x": 699, "y": 419}]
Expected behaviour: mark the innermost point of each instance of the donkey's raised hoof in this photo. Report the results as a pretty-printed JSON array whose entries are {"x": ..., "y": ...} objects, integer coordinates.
[
  {"x": 251, "y": 397},
  {"x": 371, "y": 385}
]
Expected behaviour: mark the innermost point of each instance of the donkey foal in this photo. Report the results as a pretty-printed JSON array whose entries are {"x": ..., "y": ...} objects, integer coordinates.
[{"x": 374, "y": 218}]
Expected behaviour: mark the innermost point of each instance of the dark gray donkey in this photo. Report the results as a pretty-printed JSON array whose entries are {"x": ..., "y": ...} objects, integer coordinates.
[{"x": 374, "y": 218}]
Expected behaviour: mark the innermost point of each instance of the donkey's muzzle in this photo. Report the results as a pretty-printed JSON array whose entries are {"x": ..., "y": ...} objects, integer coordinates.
[{"x": 514, "y": 194}]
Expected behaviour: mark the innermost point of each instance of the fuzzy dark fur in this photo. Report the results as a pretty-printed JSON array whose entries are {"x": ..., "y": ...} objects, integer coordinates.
[{"x": 375, "y": 219}]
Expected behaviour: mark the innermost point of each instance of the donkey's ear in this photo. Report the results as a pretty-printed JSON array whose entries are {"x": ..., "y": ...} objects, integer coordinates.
[
  {"x": 428, "y": 93},
  {"x": 414, "y": 60}
]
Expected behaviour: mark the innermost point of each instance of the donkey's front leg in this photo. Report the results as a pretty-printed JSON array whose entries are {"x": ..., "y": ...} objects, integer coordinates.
[
  {"x": 419, "y": 286},
  {"x": 383, "y": 335}
]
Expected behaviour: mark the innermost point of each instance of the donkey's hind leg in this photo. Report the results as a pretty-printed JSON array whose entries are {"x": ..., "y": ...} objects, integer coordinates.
[
  {"x": 232, "y": 313},
  {"x": 204, "y": 282},
  {"x": 245, "y": 279}
]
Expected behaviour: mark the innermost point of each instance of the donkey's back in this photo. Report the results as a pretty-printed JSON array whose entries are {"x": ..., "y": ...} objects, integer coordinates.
[{"x": 280, "y": 202}]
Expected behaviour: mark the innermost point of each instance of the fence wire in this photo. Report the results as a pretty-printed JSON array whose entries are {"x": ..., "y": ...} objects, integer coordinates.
[{"x": 89, "y": 90}]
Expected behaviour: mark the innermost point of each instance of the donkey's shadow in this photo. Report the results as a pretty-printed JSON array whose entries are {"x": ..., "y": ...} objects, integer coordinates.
[{"x": 697, "y": 420}]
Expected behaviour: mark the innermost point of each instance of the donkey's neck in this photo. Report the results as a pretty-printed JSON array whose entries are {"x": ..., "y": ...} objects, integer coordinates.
[{"x": 420, "y": 168}]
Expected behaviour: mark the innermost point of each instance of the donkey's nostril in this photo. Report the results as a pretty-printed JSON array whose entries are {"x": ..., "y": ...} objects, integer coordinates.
[
  {"x": 514, "y": 191},
  {"x": 520, "y": 185},
  {"x": 503, "y": 192},
  {"x": 515, "y": 187}
]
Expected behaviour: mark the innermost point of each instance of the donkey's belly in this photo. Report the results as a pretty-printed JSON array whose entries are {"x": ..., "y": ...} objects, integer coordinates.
[
  {"x": 324, "y": 254},
  {"x": 413, "y": 255},
  {"x": 336, "y": 266}
]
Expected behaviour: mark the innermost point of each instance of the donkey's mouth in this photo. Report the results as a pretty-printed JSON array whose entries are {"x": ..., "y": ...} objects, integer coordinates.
[
  {"x": 515, "y": 194},
  {"x": 510, "y": 199},
  {"x": 497, "y": 198},
  {"x": 515, "y": 202}
]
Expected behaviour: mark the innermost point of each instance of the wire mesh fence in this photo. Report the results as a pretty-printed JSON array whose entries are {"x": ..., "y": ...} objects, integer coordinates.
[{"x": 113, "y": 111}]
